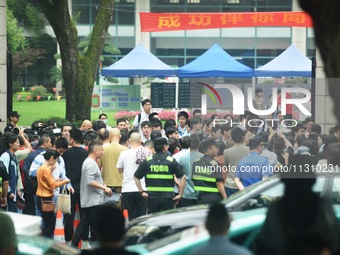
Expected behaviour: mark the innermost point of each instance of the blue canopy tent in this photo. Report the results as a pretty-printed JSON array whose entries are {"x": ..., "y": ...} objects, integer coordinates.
[
  {"x": 215, "y": 62},
  {"x": 289, "y": 63},
  {"x": 139, "y": 62}
]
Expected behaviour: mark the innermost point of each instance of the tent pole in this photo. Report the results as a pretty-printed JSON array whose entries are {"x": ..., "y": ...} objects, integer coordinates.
[
  {"x": 177, "y": 92},
  {"x": 313, "y": 83},
  {"x": 101, "y": 97},
  {"x": 253, "y": 84}
]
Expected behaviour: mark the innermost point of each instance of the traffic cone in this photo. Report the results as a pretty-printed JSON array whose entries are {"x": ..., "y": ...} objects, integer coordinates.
[
  {"x": 126, "y": 217},
  {"x": 76, "y": 222},
  {"x": 59, "y": 234}
]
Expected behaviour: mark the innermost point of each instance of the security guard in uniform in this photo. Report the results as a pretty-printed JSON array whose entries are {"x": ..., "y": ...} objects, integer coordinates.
[
  {"x": 207, "y": 177},
  {"x": 159, "y": 171}
]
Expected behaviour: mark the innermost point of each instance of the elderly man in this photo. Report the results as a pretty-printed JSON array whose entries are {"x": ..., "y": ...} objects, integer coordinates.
[
  {"x": 86, "y": 125},
  {"x": 112, "y": 178}
]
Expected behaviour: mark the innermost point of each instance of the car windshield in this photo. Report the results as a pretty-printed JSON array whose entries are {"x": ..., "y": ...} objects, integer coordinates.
[
  {"x": 241, "y": 193},
  {"x": 262, "y": 194}
]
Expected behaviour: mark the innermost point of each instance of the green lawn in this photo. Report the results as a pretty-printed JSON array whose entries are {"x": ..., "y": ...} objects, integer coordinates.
[{"x": 32, "y": 111}]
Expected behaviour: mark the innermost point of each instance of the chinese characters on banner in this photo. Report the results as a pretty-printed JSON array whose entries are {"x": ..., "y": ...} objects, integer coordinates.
[{"x": 158, "y": 22}]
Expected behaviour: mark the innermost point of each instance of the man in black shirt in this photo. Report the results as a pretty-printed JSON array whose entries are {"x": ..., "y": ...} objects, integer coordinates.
[
  {"x": 207, "y": 178},
  {"x": 159, "y": 171},
  {"x": 74, "y": 158},
  {"x": 110, "y": 229},
  {"x": 5, "y": 177},
  {"x": 13, "y": 119}
]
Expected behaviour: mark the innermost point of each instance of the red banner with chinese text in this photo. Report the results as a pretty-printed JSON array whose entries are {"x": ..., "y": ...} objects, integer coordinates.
[{"x": 158, "y": 22}]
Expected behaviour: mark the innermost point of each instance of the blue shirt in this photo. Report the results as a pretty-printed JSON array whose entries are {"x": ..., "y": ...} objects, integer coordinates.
[
  {"x": 186, "y": 158},
  {"x": 221, "y": 245},
  {"x": 11, "y": 165},
  {"x": 252, "y": 168}
]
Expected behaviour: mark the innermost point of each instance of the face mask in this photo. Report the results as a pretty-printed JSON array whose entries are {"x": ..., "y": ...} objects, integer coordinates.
[{"x": 105, "y": 121}]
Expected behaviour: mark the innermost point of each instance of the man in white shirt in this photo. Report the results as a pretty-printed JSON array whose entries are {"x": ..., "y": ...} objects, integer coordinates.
[
  {"x": 144, "y": 115},
  {"x": 131, "y": 197}
]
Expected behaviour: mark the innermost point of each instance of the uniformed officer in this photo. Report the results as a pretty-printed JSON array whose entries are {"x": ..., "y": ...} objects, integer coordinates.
[
  {"x": 13, "y": 119},
  {"x": 159, "y": 171},
  {"x": 207, "y": 176}
]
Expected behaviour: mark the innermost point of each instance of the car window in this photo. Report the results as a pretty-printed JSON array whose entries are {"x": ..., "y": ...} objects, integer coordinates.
[
  {"x": 319, "y": 185},
  {"x": 335, "y": 194},
  {"x": 264, "y": 198},
  {"x": 271, "y": 193}
]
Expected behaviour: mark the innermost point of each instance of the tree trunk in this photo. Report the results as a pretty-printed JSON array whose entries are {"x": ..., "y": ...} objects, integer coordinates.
[
  {"x": 325, "y": 16},
  {"x": 79, "y": 71}
]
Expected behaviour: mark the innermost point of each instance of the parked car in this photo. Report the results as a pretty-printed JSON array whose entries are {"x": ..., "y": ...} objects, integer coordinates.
[
  {"x": 244, "y": 229},
  {"x": 152, "y": 227},
  {"x": 27, "y": 229}
]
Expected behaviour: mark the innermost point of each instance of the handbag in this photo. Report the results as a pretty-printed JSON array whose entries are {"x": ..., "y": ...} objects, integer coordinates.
[
  {"x": 64, "y": 202},
  {"x": 47, "y": 205},
  {"x": 20, "y": 203}
]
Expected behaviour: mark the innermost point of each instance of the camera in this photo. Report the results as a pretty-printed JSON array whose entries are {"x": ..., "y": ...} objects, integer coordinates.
[{"x": 15, "y": 130}]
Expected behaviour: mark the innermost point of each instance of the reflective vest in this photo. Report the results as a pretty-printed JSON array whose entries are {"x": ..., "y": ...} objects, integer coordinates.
[
  {"x": 160, "y": 176},
  {"x": 202, "y": 175}
]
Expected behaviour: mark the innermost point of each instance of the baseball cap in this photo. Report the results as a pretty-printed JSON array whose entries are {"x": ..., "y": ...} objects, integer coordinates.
[{"x": 13, "y": 114}]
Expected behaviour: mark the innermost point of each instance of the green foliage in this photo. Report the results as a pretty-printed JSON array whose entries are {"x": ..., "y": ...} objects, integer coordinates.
[
  {"x": 108, "y": 50},
  {"x": 15, "y": 36},
  {"x": 35, "y": 19},
  {"x": 60, "y": 121},
  {"x": 35, "y": 56},
  {"x": 296, "y": 80},
  {"x": 268, "y": 82},
  {"x": 23, "y": 96},
  {"x": 56, "y": 74},
  {"x": 39, "y": 90},
  {"x": 57, "y": 56}
]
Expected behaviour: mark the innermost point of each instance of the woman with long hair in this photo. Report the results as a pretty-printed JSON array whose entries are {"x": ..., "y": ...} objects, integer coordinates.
[
  {"x": 8, "y": 146},
  {"x": 46, "y": 185}
]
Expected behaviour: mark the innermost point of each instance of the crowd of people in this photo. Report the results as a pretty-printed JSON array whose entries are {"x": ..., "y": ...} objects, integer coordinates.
[{"x": 150, "y": 165}]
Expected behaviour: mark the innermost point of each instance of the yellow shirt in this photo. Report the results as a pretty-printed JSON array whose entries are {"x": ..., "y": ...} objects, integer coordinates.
[
  {"x": 46, "y": 182},
  {"x": 111, "y": 176}
]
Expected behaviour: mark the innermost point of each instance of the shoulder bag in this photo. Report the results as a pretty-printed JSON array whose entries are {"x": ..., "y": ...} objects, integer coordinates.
[{"x": 64, "y": 202}]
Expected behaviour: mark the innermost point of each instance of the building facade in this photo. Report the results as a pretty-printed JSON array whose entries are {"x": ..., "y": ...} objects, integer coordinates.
[{"x": 253, "y": 46}]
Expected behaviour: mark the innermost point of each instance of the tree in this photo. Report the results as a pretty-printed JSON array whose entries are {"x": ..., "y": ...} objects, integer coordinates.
[
  {"x": 31, "y": 54},
  {"x": 79, "y": 70},
  {"x": 16, "y": 39},
  {"x": 326, "y": 22}
]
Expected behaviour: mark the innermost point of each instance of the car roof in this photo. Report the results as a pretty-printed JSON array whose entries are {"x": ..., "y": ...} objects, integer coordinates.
[
  {"x": 26, "y": 225},
  {"x": 242, "y": 222}
]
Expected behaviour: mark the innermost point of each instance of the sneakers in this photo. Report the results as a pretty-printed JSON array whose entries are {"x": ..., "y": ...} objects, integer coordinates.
[{"x": 85, "y": 245}]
